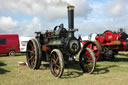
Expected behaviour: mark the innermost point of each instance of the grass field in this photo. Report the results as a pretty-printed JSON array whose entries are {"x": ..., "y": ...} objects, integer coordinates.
[{"x": 106, "y": 73}]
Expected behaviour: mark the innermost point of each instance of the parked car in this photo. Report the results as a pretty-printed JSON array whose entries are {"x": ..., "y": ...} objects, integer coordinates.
[{"x": 9, "y": 44}]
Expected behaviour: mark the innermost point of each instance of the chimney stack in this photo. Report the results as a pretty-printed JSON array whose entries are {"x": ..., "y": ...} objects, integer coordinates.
[{"x": 71, "y": 17}]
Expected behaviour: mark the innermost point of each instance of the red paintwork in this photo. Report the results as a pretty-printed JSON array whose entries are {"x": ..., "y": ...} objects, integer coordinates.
[
  {"x": 12, "y": 43},
  {"x": 100, "y": 39},
  {"x": 84, "y": 42},
  {"x": 93, "y": 47},
  {"x": 108, "y": 37},
  {"x": 88, "y": 55},
  {"x": 124, "y": 45}
]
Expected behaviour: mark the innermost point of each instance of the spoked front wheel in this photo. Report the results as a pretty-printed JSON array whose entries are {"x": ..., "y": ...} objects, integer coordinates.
[
  {"x": 56, "y": 63},
  {"x": 87, "y": 60}
]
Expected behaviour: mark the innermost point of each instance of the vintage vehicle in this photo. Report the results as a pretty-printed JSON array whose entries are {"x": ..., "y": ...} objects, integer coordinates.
[
  {"x": 57, "y": 46},
  {"x": 9, "y": 44},
  {"x": 108, "y": 44}
]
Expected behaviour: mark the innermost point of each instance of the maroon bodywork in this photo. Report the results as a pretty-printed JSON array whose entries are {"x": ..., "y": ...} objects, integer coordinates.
[{"x": 9, "y": 43}]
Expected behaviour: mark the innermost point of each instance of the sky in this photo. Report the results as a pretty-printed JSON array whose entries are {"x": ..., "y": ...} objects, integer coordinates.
[{"x": 24, "y": 17}]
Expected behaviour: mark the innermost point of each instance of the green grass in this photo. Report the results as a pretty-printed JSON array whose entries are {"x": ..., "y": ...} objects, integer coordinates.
[{"x": 106, "y": 73}]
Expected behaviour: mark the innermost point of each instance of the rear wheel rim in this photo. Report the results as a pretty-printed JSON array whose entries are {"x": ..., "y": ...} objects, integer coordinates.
[
  {"x": 33, "y": 54},
  {"x": 57, "y": 63},
  {"x": 87, "y": 61}
]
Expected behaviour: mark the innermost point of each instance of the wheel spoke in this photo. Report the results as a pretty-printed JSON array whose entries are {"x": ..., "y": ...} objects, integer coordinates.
[
  {"x": 57, "y": 59},
  {"x": 58, "y": 66},
  {"x": 33, "y": 62},
  {"x": 97, "y": 54},
  {"x": 31, "y": 45},
  {"x": 86, "y": 66},
  {"x": 90, "y": 46},
  {"x": 96, "y": 48},
  {"x": 33, "y": 54},
  {"x": 87, "y": 60},
  {"x": 93, "y": 47},
  {"x": 31, "y": 57},
  {"x": 55, "y": 70},
  {"x": 55, "y": 64},
  {"x": 30, "y": 51},
  {"x": 54, "y": 61}
]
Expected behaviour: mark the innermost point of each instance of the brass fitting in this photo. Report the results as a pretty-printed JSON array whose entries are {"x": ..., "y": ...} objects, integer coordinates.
[{"x": 70, "y": 7}]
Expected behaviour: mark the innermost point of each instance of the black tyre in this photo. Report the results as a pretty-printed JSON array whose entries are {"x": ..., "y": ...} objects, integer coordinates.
[
  {"x": 57, "y": 63},
  {"x": 12, "y": 53},
  {"x": 33, "y": 55},
  {"x": 87, "y": 60}
]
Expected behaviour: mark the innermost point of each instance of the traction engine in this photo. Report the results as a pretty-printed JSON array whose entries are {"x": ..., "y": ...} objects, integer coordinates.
[
  {"x": 108, "y": 44},
  {"x": 57, "y": 46}
]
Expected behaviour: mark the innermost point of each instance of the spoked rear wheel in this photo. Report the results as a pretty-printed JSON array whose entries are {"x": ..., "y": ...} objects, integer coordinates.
[
  {"x": 33, "y": 54},
  {"x": 57, "y": 63},
  {"x": 87, "y": 60},
  {"x": 96, "y": 48}
]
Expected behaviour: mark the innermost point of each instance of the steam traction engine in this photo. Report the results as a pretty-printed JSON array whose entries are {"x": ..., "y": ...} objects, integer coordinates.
[
  {"x": 108, "y": 44},
  {"x": 58, "y": 46}
]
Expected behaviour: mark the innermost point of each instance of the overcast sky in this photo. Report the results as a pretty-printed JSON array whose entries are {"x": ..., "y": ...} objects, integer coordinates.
[{"x": 24, "y": 17}]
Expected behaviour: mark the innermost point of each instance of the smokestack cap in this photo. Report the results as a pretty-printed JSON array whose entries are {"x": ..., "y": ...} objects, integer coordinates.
[{"x": 70, "y": 7}]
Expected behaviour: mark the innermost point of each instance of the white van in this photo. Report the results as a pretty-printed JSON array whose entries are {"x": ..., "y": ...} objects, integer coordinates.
[{"x": 23, "y": 43}]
